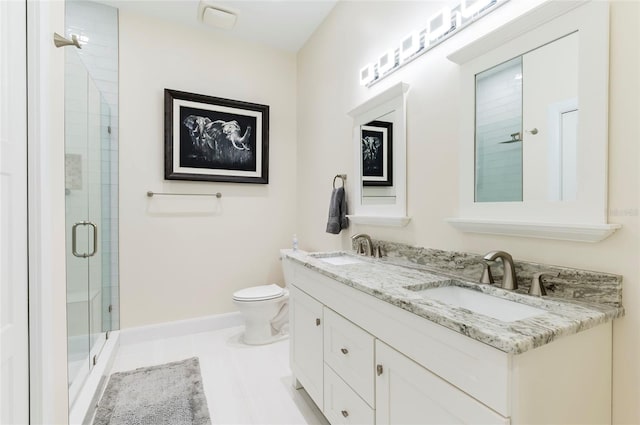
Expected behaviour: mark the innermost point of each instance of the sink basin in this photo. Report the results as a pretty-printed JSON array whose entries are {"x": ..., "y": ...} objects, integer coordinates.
[
  {"x": 478, "y": 302},
  {"x": 338, "y": 259}
]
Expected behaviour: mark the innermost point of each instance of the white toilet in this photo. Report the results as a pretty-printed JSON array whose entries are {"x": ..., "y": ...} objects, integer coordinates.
[{"x": 266, "y": 313}]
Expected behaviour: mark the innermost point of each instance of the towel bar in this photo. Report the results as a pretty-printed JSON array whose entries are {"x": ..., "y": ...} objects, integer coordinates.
[{"x": 151, "y": 194}]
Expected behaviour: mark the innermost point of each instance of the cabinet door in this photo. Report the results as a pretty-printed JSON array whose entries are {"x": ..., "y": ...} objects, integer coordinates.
[
  {"x": 550, "y": 105},
  {"x": 306, "y": 342},
  {"x": 407, "y": 393}
]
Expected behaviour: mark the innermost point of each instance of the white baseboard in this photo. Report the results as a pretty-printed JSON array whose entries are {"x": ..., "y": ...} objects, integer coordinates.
[{"x": 180, "y": 328}]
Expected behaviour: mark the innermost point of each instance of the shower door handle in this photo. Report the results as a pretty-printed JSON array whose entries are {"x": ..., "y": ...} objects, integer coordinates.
[
  {"x": 95, "y": 238},
  {"x": 74, "y": 243}
]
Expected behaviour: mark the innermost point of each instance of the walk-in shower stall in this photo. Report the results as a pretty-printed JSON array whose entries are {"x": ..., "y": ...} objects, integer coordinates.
[{"x": 91, "y": 186}]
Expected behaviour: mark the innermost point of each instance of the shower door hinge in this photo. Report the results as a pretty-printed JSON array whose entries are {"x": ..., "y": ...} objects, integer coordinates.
[
  {"x": 95, "y": 360},
  {"x": 106, "y": 336},
  {"x": 110, "y": 309},
  {"x": 109, "y": 129}
]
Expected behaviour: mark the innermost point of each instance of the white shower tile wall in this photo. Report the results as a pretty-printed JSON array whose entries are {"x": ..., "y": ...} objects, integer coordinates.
[{"x": 96, "y": 26}]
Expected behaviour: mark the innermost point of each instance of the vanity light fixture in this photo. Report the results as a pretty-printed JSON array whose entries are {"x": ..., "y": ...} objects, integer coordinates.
[
  {"x": 409, "y": 46},
  {"x": 468, "y": 8},
  {"x": 367, "y": 74},
  {"x": 386, "y": 61},
  {"x": 439, "y": 24},
  {"x": 439, "y": 28}
]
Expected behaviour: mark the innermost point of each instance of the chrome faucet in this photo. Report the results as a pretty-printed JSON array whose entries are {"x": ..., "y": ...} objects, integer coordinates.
[
  {"x": 509, "y": 280},
  {"x": 356, "y": 238}
]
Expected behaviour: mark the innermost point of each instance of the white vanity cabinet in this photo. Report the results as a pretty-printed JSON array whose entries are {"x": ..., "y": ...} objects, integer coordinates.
[{"x": 369, "y": 361}]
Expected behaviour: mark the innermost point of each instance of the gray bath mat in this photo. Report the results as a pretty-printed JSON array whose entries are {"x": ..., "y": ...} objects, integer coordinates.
[{"x": 168, "y": 394}]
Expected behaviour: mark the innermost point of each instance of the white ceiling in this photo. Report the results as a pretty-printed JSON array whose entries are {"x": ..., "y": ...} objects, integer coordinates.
[{"x": 284, "y": 24}]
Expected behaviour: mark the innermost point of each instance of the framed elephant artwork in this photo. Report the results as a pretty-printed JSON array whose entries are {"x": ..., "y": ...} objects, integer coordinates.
[
  {"x": 213, "y": 139},
  {"x": 377, "y": 153}
]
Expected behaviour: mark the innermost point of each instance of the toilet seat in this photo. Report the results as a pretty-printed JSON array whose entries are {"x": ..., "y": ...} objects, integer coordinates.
[{"x": 259, "y": 293}]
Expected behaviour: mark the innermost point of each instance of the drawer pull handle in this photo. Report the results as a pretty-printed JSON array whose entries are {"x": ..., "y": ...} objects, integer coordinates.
[
  {"x": 345, "y": 413},
  {"x": 379, "y": 369},
  {"x": 317, "y": 322},
  {"x": 344, "y": 351}
]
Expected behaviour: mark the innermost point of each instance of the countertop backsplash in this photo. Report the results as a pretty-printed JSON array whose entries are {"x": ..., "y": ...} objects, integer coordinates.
[{"x": 571, "y": 284}]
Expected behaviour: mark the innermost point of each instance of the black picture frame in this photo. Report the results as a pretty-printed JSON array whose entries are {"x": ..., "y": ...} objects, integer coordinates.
[
  {"x": 377, "y": 153},
  {"x": 214, "y": 139}
]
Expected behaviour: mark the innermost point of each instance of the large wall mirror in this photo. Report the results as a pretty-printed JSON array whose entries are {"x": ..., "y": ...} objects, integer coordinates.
[
  {"x": 533, "y": 149},
  {"x": 379, "y": 143}
]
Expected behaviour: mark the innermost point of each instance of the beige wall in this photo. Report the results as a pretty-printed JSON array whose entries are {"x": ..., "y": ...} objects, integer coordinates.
[
  {"x": 183, "y": 257},
  {"x": 328, "y": 87}
]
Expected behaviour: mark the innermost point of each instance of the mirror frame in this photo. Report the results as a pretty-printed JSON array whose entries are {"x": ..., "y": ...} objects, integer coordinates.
[
  {"x": 392, "y": 99},
  {"x": 586, "y": 218}
]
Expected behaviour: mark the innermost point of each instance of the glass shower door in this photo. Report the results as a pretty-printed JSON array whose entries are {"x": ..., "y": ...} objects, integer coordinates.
[
  {"x": 86, "y": 131},
  {"x": 77, "y": 237}
]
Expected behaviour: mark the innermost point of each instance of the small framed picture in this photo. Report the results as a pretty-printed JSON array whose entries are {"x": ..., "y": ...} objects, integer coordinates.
[
  {"x": 213, "y": 139},
  {"x": 377, "y": 153}
]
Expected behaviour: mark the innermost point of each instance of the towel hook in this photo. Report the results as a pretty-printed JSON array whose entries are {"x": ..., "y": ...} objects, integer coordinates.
[{"x": 342, "y": 177}]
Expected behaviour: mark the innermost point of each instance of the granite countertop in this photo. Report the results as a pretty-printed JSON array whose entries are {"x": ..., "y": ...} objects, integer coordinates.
[{"x": 401, "y": 285}]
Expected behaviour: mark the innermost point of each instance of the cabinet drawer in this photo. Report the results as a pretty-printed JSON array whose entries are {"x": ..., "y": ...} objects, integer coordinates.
[
  {"x": 341, "y": 404},
  {"x": 348, "y": 350}
]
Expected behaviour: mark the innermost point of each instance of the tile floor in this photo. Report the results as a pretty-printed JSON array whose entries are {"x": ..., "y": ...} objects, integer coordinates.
[{"x": 243, "y": 384}]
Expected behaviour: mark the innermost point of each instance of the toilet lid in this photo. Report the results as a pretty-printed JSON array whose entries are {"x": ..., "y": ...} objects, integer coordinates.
[{"x": 259, "y": 293}]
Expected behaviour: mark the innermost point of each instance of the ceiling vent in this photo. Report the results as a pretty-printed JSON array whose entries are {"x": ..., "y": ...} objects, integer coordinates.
[{"x": 216, "y": 16}]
